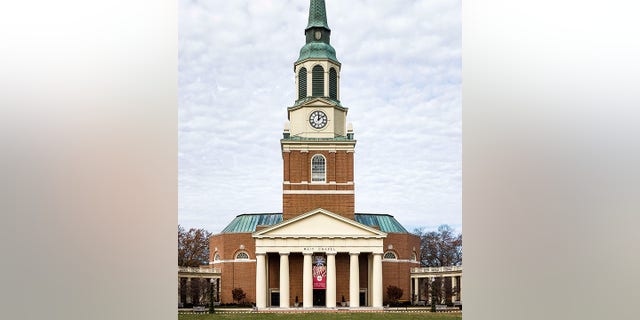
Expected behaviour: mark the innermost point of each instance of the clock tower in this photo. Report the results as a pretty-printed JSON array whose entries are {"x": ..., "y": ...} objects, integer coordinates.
[{"x": 317, "y": 144}]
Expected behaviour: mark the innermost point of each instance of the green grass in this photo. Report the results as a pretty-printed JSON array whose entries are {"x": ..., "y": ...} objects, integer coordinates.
[{"x": 324, "y": 316}]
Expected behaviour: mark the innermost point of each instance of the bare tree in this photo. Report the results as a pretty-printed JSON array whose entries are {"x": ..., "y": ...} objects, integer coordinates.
[
  {"x": 440, "y": 248},
  {"x": 193, "y": 247}
]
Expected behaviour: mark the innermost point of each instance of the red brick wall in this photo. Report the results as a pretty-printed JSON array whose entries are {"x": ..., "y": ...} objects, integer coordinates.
[
  {"x": 235, "y": 274},
  {"x": 296, "y": 204},
  {"x": 398, "y": 273},
  {"x": 297, "y": 165},
  {"x": 297, "y": 168}
]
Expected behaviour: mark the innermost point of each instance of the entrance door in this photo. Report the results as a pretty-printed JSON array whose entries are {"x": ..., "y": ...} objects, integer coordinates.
[
  {"x": 319, "y": 297},
  {"x": 363, "y": 298}
]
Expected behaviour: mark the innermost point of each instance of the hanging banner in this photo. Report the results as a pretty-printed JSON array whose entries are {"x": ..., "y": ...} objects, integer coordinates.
[{"x": 319, "y": 272}]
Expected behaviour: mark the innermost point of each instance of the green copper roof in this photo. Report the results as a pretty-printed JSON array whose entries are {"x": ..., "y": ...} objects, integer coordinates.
[
  {"x": 317, "y": 14},
  {"x": 318, "y": 50},
  {"x": 248, "y": 222},
  {"x": 386, "y": 223}
]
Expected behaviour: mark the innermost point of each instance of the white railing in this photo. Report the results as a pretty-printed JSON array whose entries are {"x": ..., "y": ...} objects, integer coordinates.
[
  {"x": 436, "y": 269},
  {"x": 198, "y": 270}
]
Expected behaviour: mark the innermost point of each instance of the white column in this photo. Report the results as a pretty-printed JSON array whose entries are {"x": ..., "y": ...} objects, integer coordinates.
[
  {"x": 430, "y": 290},
  {"x": 377, "y": 280},
  {"x": 331, "y": 280},
  {"x": 284, "y": 280},
  {"x": 453, "y": 285},
  {"x": 369, "y": 279},
  {"x": 460, "y": 291},
  {"x": 416, "y": 289},
  {"x": 354, "y": 280},
  {"x": 188, "y": 297},
  {"x": 261, "y": 281},
  {"x": 179, "y": 291},
  {"x": 443, "y": 294},
  {"x": 307, "y": 281}
]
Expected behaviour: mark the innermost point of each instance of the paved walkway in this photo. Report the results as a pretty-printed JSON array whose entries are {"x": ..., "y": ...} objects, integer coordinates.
[{"x": 321, "y": 310}]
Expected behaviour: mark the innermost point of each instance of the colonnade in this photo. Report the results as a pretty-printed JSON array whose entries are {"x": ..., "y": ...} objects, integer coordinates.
[
  {"x": 206, "y": 279},
  {"x": 307, "y": 279},
  {"x": 424, "y": 278}
]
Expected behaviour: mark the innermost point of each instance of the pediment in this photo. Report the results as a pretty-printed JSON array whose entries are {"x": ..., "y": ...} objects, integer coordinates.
[
  {"x": 317, "y": 102},
  {"x": 319, "y": 223}
]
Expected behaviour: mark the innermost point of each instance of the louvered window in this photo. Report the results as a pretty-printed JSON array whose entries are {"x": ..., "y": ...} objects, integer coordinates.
[
  {"x": 333, "y": 84},
  {"x": 302, "y": 83},
  {"x": 317, "y": 168},
  {"x": 317, "y": 78}
]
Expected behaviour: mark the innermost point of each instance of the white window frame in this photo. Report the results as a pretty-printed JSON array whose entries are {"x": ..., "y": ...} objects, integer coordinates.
[
  {"x": 242, "y": 252},
  {"x": 324, "y": 173},
  {"x": 395, "y": 256}
]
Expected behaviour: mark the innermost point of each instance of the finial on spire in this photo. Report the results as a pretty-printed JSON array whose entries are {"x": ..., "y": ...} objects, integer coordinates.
[{"x": 317, "y": 15}]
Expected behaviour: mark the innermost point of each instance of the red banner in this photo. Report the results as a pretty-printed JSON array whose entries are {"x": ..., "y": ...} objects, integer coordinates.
[{"x": 319, "y": 272}]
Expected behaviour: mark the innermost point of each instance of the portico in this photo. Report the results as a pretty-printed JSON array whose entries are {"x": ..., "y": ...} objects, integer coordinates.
[{"x": 325, "y": 236}]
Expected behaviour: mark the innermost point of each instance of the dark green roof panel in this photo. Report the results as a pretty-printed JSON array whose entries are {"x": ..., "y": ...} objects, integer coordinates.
[
  {"x": 317, "y": 50},
  {"x": 249, "y": 222},
  {"x": 317, "y": 14},
  {"x": 386, "y": 223}
]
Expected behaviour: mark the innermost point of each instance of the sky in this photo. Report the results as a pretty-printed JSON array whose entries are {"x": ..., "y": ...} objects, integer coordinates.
[{"x": 400, "y": 79}]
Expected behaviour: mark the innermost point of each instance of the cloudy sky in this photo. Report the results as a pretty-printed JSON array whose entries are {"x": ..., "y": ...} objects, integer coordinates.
[{"x": 400, "y": 79}]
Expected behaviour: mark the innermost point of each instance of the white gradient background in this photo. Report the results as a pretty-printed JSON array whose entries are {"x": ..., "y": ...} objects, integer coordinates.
[{"x": 89, "y": 120}]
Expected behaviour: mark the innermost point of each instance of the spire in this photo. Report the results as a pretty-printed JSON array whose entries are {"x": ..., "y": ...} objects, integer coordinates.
[
  {"x": 317, "y": 15},
  {"x": 318, "y": 35}
]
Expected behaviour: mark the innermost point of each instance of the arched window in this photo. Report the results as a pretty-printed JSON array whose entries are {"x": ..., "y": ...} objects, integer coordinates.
[
  {"x": 302, "y": 83},
  {"x": 242, "y": 256},
  {"x": 216, "y": 257},
  {"x": 413, "y": 256},
  {"x": 333, "y": 84},
  {"x": 389, "y": 255},
  {"x": 318, "y": 168},
  {"x": 317, "y": 81}
]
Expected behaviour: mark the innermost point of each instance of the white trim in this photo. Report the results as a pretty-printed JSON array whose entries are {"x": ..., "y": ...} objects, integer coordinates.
[
  {"x": 240, "y": 260},
  {"x": 318, "y": 191},
  {"x": 399, "y": 260},
  {"x": 322, "y": 236},
  {"x": 304, "y": 183}
]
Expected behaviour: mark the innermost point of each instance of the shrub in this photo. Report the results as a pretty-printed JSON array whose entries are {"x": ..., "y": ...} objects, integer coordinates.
[
  {"x": 393, "y": 294},
  {"x": 238, "y": 294}
]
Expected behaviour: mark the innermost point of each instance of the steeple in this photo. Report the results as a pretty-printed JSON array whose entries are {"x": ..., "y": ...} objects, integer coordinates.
[
  {"x": 318, "y": 35},
  {"x": 317, "y": 14}
]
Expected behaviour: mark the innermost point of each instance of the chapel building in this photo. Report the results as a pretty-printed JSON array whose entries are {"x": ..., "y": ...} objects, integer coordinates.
[{"x": 318, "y": 252}]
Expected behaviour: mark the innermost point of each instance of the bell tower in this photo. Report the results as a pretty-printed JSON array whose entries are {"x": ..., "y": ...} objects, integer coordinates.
[{"x": 317, "y": 144}]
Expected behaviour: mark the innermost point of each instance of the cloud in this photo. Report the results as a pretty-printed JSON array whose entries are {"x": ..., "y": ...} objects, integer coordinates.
[{"x": 400, "y": 78}]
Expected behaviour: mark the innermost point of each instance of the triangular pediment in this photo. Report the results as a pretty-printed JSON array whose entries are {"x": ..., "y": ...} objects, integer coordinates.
[
  {"x": 317, "y": 102},
  {"x": 319, "y": 223}
]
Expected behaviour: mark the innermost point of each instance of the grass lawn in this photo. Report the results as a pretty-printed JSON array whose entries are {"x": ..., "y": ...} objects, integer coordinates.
[{"x": 323, "y": 316}]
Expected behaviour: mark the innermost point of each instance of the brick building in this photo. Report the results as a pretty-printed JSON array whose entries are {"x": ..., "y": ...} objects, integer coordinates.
[{"x": 318, "y": 251}]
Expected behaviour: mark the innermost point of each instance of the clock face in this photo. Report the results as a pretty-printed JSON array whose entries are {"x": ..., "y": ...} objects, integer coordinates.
[
  {"x": 318, "y": 119},
  {"x": 318, "y": 35}
]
